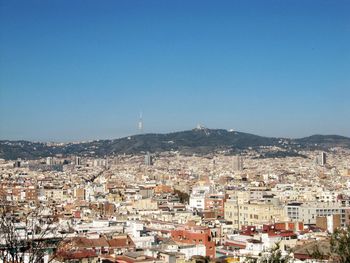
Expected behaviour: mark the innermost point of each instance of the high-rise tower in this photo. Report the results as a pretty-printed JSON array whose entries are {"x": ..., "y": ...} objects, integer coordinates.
[
  {"x": 323, "y": 158},
  {"x": 237, "y": 163},
  {"x": 148, "y": 159},
  {"x": 140, "y": 125}
]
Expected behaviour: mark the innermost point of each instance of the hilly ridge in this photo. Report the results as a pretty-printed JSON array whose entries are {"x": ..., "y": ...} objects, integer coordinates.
[{"x": 198, "y": 141}]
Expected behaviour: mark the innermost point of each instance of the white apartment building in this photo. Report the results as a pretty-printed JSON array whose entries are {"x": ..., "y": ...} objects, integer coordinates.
[
  {"x": 197, "y": 197},
  {"x": 307, "y": 212}
]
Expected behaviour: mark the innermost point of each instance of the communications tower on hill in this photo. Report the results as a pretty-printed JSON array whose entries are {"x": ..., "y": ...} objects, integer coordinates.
[{"x": 140, "y": 125}]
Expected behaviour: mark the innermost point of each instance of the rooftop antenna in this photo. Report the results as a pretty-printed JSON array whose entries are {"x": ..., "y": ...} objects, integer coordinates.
[{"x": 140, "y": 126}]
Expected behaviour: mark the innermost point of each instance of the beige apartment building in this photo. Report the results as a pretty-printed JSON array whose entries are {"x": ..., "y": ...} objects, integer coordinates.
[
  {"x": 145, "y": 204},
  {"x": 54, "y": 194},
  {"x": 253, "y": 213}
]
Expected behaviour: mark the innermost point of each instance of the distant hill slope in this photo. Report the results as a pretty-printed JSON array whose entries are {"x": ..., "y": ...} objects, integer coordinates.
[
  {"x": 324, "y": 140},
  {"x": 200, "y": 141}
]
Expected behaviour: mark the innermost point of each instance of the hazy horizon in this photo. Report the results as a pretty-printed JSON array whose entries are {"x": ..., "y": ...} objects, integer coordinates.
[{"x": 83, "y": 70}]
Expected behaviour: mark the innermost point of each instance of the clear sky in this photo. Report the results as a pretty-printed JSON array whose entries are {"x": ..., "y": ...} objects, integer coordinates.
[{"x": 77, "y": 70}]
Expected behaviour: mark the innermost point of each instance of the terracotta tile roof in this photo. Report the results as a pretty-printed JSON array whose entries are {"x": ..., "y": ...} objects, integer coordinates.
[
  {"x": 121, "y": 242},
  {"x": 305, "y": 251},
  {"x": 125, "y": 259},
  {"x": 76, "y": 254},
  {"x": 83, "y": 242}
]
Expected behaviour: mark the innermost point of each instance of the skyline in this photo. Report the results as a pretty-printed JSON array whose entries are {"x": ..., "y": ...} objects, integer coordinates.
[{"x": 82, "y": 70}]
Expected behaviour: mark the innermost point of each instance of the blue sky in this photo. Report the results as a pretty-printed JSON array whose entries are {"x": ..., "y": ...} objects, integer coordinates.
[{"x": 77, "y": 70}]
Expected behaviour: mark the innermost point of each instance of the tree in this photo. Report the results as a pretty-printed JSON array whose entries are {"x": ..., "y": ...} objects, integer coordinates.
[
  {"x": 340, "y": 245},
  {"x": 337, "y": 249},
  {"x": 28, "y": 237},
  {"x": 184, "y": 197},
  {"x": 250, "y": 260},
  {"x": 275, "y": 256},
  {"x": 316, "y": 253}
]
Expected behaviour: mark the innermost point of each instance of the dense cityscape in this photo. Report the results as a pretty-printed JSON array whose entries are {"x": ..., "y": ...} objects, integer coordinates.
[
  {"x": 174, "y": 131},
  {"x": 169, "y": 207}
]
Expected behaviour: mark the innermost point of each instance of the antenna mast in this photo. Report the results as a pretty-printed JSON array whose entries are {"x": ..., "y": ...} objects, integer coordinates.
[{"x": 140, "y": 126}]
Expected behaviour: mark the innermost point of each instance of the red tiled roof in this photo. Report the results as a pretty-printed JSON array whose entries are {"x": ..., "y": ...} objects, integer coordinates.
[
  {"x": 125, "y": 259},
  {"x": 235, "y": 244},
  {"x": 121, "y": 242},
  {"x": 282, "y": 233},
  {"x": 79, "y": 254},
  {"x": 83, "y": 242}
]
